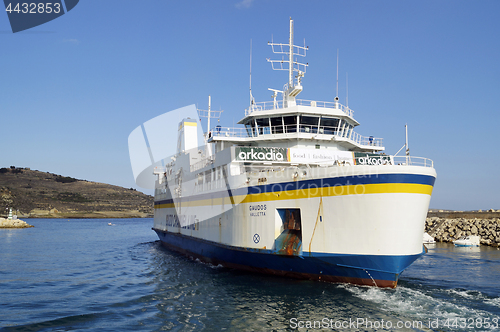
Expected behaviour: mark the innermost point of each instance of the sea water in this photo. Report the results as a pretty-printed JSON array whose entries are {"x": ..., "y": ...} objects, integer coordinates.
[{"x": 84, "y": 275}]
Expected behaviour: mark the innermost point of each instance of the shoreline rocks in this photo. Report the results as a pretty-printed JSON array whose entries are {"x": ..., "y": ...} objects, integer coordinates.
[
  {"x": 451, "y": 229},
  {"x": 14, "y": 223}
]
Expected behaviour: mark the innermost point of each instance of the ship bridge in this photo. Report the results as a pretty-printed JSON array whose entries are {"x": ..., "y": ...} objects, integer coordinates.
[{"x": 308, "y": 123}]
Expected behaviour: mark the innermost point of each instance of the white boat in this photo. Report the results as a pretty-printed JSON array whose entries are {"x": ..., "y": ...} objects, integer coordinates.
[
  {"x": 428, "y": 239},
  {"x": 468, "y": 241},
  {"x": 294, "y": 192}
]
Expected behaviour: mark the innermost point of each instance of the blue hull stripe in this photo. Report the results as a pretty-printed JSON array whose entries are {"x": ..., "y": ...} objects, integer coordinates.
[
  {"x": 374, "y": 270},
  {"x": 314, "y": 183}
]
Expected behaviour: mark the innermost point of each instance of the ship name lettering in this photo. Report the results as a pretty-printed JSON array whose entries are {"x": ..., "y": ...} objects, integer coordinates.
[
  {"x": 253, "y": 155},
  {"x": 260, "y": 207},
  {"x": 258, "y": 214},
  {"x": 258, "y": 210},
  {"x": 373, "y": 161}
]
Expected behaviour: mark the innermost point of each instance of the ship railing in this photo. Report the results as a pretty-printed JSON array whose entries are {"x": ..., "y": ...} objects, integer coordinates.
[
  {"x": 264, "y": 106},
  {"x": 202, "y": 163},
  {"x": 274, "y": 105},
  {"x": 366, "y": 140},
  {"x": 284, "y": 131},
  {"x": 260, "y": 166},
  {"x": 229, "y": 132},
  {"x": 413, "y": 161}
]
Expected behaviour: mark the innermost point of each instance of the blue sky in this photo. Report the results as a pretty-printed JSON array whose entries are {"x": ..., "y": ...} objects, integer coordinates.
[{"x": 73, "y": 89}]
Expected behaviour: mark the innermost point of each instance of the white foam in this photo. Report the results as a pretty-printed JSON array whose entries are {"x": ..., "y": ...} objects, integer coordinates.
[
  {"x": 475, "y": 296},
  {"x": 494, "y": 302},
  {"x": 470, "y": 295},
  {"x": 421, "y": 304}
]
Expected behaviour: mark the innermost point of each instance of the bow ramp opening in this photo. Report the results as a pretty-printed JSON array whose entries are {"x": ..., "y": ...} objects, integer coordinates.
[{"x": 289, "y": 242}]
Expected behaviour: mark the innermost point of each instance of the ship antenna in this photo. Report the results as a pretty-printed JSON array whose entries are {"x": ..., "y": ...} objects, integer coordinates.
[
  {"x": 406, "y": 144},
  {"x": 252, "y": 100},
  {"x": 346, "y": 90},
  {"x": 290, "y": 55},
  {"x": 208, "y": 117},
  {"x": 337, "y": 89},
  {"x": 209, "y": 114}
]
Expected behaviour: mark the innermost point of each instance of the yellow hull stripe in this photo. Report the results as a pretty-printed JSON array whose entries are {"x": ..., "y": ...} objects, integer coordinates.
[{"x": 360, "y": 189}]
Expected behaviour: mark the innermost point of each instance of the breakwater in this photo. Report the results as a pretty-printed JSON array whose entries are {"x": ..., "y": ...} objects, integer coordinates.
[
  {"x": 450, "y": 226},
  {"x": 14, "y": 223}
]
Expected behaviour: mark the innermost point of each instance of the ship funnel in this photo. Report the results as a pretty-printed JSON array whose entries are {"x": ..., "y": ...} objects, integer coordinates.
[{"x": 188, "y": 135}]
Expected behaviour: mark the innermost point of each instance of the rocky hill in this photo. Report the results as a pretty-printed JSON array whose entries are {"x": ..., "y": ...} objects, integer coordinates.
[{"x": 38, "y": 194}]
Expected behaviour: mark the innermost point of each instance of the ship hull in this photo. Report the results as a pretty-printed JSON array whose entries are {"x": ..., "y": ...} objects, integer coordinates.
[
  {"x": 358, "y": 229},
  {"x": 370, "y": 270}
]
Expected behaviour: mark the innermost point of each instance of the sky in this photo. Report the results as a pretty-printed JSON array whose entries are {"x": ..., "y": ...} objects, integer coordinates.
[{"x": 73, "y": 89}]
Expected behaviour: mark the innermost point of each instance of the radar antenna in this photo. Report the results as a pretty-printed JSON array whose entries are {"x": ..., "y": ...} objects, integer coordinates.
[
  {"x": 291, "y": 89},
  {"x": 275, "y": 94}
]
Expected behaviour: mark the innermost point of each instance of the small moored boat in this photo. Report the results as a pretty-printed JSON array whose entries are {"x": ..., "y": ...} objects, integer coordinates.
[
  {"x": 468, "y": 241},
  {"x": 428, "y": 239}
]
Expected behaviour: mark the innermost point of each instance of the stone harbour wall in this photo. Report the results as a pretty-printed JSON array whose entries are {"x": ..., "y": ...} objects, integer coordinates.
[
  {"x": 14, "y": 223},
  {"x": 451, "y": 229}
]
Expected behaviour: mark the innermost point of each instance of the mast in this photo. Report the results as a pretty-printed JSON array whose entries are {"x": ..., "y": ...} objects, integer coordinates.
[
  {"x": 290, "y": 55},
  {"x": 405, "y": 146},
  {"x": 208, "y": 117},
  {"x": 337, "y": 88},
  {"x": 291, "y": 89},
  {"x": 252, "y": 101},
  {"x": 346, "y": 90},
  {"x": 406, "y": 141}
]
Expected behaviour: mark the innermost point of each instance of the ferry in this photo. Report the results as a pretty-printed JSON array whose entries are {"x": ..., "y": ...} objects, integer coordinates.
[{"x": 294, "y": 192}]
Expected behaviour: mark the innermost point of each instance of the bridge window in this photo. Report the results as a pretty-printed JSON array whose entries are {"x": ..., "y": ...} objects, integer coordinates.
[
  {"x": 290, "y": 123},
  {"x": 308, "y": 124},
  {"x": 250, "y": 126},
  {"x": 345, "y": 129},
  {"x": 349, "y": 131},
  {"x": 328, "y": 126},
  {"x": 277, "y": 125},
  {"x": 263, "y": 126}
]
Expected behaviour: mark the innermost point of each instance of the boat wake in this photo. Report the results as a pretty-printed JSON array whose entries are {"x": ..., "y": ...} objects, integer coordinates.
[{"x": 429, "y": 304}]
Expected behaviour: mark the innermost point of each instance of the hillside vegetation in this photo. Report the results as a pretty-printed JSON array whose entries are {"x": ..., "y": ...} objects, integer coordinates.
[{"x": 46, "y": 195}]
